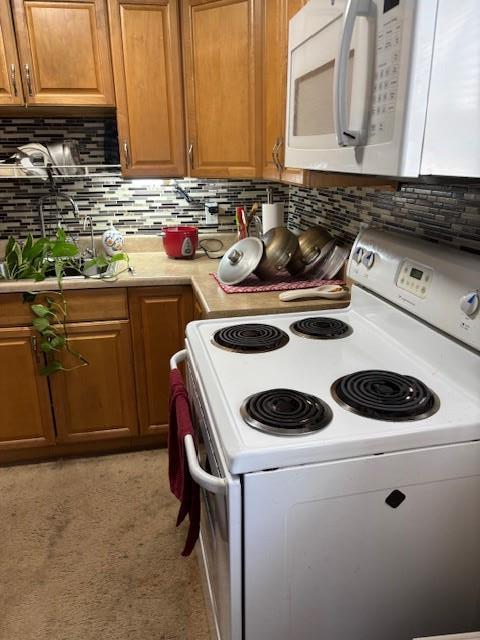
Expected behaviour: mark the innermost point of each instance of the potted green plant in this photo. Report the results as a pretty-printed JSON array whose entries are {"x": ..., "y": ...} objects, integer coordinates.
[{"x": 38, "y": 259}]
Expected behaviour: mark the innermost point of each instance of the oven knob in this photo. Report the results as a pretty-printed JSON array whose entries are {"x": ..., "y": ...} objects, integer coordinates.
[
  {"x": 358, "y": 255},
  {"x": 368, "y": 259},
  {"x": 469, "y": 303}
]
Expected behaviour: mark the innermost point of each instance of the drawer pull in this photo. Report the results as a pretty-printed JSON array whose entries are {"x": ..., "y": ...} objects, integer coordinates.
[{"x": 34, "y": 344}]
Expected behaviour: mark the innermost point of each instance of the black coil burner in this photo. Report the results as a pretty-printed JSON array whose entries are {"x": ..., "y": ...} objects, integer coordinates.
[
  {"x": 321, "y": 328},
  {"x": 385, "y": 395},
  {"x": 285, "y": 412},
  {"x": 250, "y": 338}
]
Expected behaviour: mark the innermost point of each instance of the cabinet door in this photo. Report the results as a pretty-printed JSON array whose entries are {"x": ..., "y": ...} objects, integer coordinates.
[
  {"x": 26, "y": 419},
  {"x": 64, "y": 50},
  {"x": 159, "y": 316},
  {"x": 97, "y": 401},
  {"x": 10, "y": 82},
  {"x": 298, "y": 176},
  {"x": 197, "y": 310},
  {"x": 274, "y": 57},
  {"x": 148, "y": 85},
  {"x": 277, "y": 14},
  {"x": 222, "y": 59}
]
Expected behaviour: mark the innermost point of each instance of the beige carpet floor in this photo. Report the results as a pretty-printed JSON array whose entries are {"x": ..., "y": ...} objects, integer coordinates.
[{"x": 89, "y": 551}]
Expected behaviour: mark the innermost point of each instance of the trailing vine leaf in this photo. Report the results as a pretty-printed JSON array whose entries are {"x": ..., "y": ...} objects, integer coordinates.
[
  {"x": 40, "y": 324},
  {"x": 118, "y": 257},
  {"x": 46, "y": 346},
  {"x": 52, "y": 367},
  {"x": 64, "y": 250},
  {"x": 41, "y": 310},
  {"x": 61, "y": 235},
  {"x": 58, "y": 342}
]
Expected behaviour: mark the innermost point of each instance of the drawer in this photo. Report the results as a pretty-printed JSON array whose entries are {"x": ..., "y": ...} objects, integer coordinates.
[{"x": 84, "y": 305}]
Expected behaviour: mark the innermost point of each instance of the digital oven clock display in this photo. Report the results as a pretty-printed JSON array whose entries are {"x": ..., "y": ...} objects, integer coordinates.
[{"x": 416, "y": 273}]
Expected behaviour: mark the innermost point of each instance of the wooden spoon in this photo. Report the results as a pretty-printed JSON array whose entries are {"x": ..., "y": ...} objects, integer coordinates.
[{"x": 331, "y": 291}]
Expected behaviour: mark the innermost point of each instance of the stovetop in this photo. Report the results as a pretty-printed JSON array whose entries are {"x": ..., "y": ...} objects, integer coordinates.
[{"x": 379, "y": 337}]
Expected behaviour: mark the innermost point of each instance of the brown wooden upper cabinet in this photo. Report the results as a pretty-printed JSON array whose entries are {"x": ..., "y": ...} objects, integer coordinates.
[
  {"x": 222, "y": 70},
  {"x": 148, "y": 85},
  {"x": 277, "y": 14},
  {"x": 64, "y": 52},
  {"x": 10, "y": 83}
]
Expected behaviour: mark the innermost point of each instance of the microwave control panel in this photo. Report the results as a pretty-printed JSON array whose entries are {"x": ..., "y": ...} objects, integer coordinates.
[
  {"x": 414, "y": 278},
  {"x": 386, "y": 75}
]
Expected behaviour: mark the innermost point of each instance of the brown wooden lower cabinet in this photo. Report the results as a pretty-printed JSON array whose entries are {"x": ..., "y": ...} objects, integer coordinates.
[
  {"x": 97, "y": 401},
  {"x": 158, "y": 317},
  {"x": 25, "y": 414},
  {"x": 119, "y": 400},
  {"x": 197, "y": 310}
]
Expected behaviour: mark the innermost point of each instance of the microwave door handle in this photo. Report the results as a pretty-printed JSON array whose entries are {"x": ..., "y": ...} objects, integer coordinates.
[
  {"x": 347, "y": 137},
  {"x": 201, "y": 477}
]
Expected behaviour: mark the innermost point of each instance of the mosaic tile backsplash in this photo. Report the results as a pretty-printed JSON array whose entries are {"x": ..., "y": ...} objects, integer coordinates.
[
  {"x": 135, "y": 206},
  {"x": 444, "y": 213},
  {"x": 448, "y": 213}
]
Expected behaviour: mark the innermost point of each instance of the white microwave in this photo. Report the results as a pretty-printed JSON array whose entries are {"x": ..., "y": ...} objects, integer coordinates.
[{"x": 385, "y": 87}]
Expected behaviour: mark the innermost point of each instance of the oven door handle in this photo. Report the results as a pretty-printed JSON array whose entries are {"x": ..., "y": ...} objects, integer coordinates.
[
  {"x": 202, "y": 478},
  {"x": 347, "y": 137},
  {"x": 178, "y": 358}
]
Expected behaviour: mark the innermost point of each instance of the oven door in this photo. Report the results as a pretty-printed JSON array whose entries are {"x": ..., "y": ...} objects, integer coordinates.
[{"x": 221, "y": 525}]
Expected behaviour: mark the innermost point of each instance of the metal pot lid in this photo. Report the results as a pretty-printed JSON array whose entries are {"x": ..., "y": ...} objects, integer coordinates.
[
  {"x": 240, "y": 261},
  {"x": 318, "y": 253}
]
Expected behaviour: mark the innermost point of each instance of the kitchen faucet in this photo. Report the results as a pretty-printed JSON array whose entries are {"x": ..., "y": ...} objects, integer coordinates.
[
  {"x": 182, "y": 192},
  {"x": 54, "y": 197},
  {"x": 90, "y": 251}
]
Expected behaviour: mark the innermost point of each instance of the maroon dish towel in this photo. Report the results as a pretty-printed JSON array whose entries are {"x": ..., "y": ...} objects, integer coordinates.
[{"x": 182, "y": 485}]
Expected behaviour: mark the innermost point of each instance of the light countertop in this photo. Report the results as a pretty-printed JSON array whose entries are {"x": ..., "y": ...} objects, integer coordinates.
[{"x": 154, "y": 268}]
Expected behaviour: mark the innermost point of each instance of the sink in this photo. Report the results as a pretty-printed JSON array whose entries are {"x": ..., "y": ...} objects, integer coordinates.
[{"x": 72, "y": 272}]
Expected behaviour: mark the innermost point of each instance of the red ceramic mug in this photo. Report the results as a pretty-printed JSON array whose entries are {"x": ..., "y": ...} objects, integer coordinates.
[{"x": 180, "y": 242}]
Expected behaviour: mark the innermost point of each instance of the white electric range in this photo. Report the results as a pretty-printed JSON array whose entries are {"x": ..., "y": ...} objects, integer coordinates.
[{"x": 340, "y": 455}]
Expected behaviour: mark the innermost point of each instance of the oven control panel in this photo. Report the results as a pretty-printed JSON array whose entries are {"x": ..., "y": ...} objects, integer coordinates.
[
  {"x": 414, "y": 278},
  {"x": 434, "y": 282}
]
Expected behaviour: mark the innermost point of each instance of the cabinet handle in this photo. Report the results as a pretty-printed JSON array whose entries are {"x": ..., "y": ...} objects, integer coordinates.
[
  {"x": 126, "y": 152},
  {"x": 190, "y": 155},
  {"x": 29, "y": 80},
  {"x": 274, "y": 154},
  {"x": 277, "y": 153},
  {"x": 34, "y": 343},
  {"x": 13, "y": 77}
]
